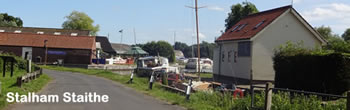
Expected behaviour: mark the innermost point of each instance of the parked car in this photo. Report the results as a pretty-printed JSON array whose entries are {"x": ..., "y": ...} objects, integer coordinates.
[{"x": 205, "y": 63}]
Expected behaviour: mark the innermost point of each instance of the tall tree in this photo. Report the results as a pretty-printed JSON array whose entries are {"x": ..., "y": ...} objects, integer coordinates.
[
  {"x": 162, "y": 47},
  {"x": 180, "y": 46},
  {"x": 238, "y": 11},
  {"x": 346, "y": 35},
  {"x": 10, "y": 21},
  {"x": 80, "y": 21},
  {"x": 326, "y": 32},
  {"x": 335, "y": 42}
]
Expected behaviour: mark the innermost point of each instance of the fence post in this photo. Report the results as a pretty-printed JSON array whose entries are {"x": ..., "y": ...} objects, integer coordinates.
[
  {"x": 29, "y": 66},
  {"x": 19, "y": 81},
  {"x": 348, "y": 100},
  {"x": 268, "y": 96}
]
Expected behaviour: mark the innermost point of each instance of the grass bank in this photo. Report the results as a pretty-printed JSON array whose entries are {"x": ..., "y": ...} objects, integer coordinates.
[
  {"x": 8, "y": 84},
  {"x": 214, "y": 101}
]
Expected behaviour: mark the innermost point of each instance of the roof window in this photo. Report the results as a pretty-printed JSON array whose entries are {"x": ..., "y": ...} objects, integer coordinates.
[
  {"x": 74, "y": 34},
  {"x": 259, "y": 24},
  {"x": 2, "y": 30},
  {"x": 240, "y": 28},
  {"x": 39, "y": 32},
  {"x": 57, "y": 33},
  {"x": 18, "y": 31},
  {"x": 235, "y": 28}
]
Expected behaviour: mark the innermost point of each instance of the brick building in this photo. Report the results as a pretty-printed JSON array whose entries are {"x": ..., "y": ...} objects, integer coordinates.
[
  {"x": 47, "y": 31},
  {"x": 71, "y": 49}
]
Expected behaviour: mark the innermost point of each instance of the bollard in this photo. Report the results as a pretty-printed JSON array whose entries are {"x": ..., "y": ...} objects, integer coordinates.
[
  {"x": 19, "y": 81},
  {"x": 151, "y": 81},
  {"x": 131, "y": 77},
  {"x": 188, "y": 90}
]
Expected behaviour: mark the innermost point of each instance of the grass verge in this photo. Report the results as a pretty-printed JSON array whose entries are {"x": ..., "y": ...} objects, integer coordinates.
[
  {"x": 8, "y": 84},
  {"x": 214, "y": 101}
]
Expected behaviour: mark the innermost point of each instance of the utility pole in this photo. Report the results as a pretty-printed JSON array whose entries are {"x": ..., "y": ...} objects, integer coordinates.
[
  {"x": 174, "y": 38},
  {"x": 121, "y": 36},
  {"x": 197, "y": 31},
  {"x": 45, "y": 45},
  {"x": 134, "y": 36}
]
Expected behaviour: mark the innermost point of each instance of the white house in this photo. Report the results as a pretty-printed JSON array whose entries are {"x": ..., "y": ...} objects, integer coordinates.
[{"x": 245, "y": 51}]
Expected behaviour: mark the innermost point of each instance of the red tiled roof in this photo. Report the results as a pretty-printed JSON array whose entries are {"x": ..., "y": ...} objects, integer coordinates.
[
  {"x": 53, "y": 41},
  {"x": 252, "y": 20}
]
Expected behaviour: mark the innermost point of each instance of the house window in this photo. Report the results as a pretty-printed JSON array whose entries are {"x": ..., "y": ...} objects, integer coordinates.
[
  {"x": 39, "y": 32},
  {"x": 229, "y": 56},
  {"x": 244, "y": 49},
  {"x": 57, "y": 33},
  {"x": 223, "y": 56},
  {"x": 18, "y": 31}
]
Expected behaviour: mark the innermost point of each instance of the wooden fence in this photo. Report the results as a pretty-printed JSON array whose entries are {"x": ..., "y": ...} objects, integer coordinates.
[
  {"x": 28, "y": 77},
  {"x": 269, "y": 89}
]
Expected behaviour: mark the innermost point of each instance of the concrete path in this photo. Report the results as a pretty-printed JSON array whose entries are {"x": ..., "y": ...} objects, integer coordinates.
[{"x": 120, "y": 97}]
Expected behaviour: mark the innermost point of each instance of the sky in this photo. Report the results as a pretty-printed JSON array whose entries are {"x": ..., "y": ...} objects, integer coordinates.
[{"x": 168, "y": 20}]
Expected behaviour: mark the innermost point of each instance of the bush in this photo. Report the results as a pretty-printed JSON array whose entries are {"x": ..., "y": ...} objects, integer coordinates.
[
  {"x": 311, "y": 70},
  {"x": 20, "y": 63}
]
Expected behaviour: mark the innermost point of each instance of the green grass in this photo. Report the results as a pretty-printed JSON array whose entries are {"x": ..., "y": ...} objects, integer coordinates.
[
  {"x": 206, "y": 75},
  {"x": 214, "y": 101},
  {"x": 8, "y": 85}
]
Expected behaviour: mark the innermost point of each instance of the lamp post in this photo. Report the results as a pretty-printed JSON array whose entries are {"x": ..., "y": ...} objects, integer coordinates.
[{"x": 45, "y": 45}]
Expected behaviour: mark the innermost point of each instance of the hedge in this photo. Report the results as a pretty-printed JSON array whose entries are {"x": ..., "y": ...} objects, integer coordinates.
[
  {"x": 20, "y": 64},
  {"x": 324, "y": 73}
]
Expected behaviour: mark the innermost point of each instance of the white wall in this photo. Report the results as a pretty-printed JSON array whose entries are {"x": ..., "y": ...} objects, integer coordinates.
[
  {"x": 286, "y": 28},
  {"x": 239, "y": 69}
]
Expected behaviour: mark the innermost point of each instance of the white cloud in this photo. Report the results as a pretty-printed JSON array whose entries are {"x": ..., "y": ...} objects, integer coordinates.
[
  {"x": 337, "y": 15},
  {"x": 215, "y": 8},
  {"x": 201, "y": 35}
]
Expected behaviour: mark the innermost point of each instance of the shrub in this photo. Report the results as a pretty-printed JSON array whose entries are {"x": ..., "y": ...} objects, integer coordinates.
[{"x": 311, "y": 70}]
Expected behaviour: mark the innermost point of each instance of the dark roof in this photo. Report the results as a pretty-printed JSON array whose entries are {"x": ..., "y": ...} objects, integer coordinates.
[
  {"x": 105, "y": 44},
  {"x": 120, "y": 48},
  {"x": 250, "y": 22},
  {"x": 51, "y": 31},
  {"x": 54, "y": 41}
]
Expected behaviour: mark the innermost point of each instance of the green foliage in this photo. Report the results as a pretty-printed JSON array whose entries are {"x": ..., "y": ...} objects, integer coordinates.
[
  {"x": 10, "y": 21},
  {"x": 162, "y": 47},
  {"x": 326, "y": 32},
  {"x": 19, "y": 65},
  {"x": 80, "y": 21},
  {"x": 205, "y": 47},
  {"x": 239, "y": 11},
  {"x": 315, "y": 70},
  {"x": 346, "y": 35}
]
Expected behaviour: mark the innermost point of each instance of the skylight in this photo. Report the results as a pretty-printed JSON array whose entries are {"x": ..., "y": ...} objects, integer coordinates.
[
  {"x": 18, "y": 31},
  {"x": 240, "y": 28},
  {"x": 235, "y": 28},
  {"x": 39, "y": 32},
  {"x": 259, "y": 24},
  {"x": 57, "y": 33},
  {"x": 74, "y": 34},
  {"x": 2, "y": 30}
]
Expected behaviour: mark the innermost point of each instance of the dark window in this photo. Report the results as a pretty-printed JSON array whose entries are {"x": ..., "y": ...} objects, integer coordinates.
[
  {"x": 223, "y": 56},
  {"x": 235, "y": 28},
  {"x": 259, "y": 24},
  {"x": 229, "y": 56},
  {"x": 244, "y": 49},
  {"x": 240, "y": 28}
]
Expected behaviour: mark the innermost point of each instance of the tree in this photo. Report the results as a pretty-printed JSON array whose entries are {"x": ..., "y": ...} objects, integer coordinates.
[
  {"x": 162, "y": 47},
  {"x": 10, "y": 21},
  {"x": 239, "y": 11},
  {"x": 326, "y": 32},
  {"x": 346, "y": 35},
  {"x": 335, "y": 42},
  {"x": 80, "y": 21},
  {"x": 180, "y": 46}
]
